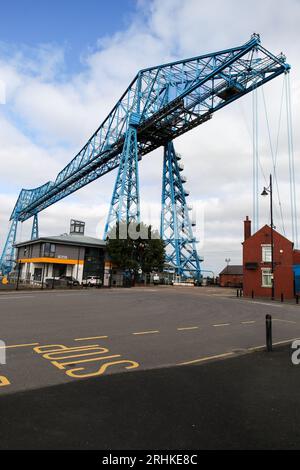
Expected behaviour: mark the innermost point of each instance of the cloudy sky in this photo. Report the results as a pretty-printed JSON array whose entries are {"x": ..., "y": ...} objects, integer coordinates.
[{"x": 64, "y": 64}]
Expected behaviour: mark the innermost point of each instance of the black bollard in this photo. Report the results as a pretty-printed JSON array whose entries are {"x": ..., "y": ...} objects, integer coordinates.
[
  {"x": 252, "y": 294},
  {"x": 269, "y": 332},
  {"x": 297, "y": 299},
  {"x": 281, "y": 298},
  {"x": 237, "y": 292}
]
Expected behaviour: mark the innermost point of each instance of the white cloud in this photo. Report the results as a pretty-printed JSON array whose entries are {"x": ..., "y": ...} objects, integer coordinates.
[{"x": 49, "y": 114}]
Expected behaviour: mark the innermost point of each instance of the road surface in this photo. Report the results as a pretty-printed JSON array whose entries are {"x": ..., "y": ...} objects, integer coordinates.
[{"x": 58, "y": 337}]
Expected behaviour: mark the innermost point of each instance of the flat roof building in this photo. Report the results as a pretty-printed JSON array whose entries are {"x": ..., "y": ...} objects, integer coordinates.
[{"x": 72, "y": 254}]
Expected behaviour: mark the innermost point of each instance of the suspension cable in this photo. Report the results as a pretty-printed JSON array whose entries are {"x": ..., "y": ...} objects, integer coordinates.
[
  {"x": 275, "y": 155},
  {"x": 291, "y": 159},
  {"x": 255, "y": 160}
]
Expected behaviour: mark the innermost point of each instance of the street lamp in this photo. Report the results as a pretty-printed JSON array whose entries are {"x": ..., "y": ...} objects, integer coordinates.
[
  {"x": 266, "y": 192},
  {"x": 227, "y": 260}
]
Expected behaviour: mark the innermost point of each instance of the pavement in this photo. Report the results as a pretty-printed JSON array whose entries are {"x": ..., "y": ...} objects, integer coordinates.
[
  {"x": 135, "y": 368},
  {"x": 250, "y": 401}
]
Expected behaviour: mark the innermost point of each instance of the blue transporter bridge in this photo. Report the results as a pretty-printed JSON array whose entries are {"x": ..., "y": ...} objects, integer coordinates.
[{"x": 160, "y": 104}]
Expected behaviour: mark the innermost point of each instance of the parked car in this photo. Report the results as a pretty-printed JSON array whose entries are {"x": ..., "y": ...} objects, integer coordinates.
[
  {"x": 63, "y": 281},
  {"x": 156, "y": 279},
  {"x": 69, "y": 280},
  {"x": 92, "y": 281}
]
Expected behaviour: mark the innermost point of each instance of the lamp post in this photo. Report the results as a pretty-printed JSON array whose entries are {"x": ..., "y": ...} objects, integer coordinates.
[
  {"x": 266, "y": 191},
  {"x": 227, "y": 260}
]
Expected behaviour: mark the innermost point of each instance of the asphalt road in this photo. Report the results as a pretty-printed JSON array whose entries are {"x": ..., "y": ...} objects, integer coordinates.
[
  {"x": 249, "y": 401},
  {"x": 59, "y": 337}
]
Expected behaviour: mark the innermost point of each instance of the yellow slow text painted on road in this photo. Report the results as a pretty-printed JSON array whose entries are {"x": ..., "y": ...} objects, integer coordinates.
[{"x": 63, "y": 357}]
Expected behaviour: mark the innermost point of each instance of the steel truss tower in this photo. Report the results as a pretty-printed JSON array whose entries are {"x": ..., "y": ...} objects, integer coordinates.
[
  {"x": 125, "y": 202},
  {"x": 35, "y": 228},
  {"x": 8, "y": 255},
  {"x": 176, "y": 226}
]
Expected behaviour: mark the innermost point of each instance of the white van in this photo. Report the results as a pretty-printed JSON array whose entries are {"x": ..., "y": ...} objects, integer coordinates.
[{"x": 92, "y": 281}]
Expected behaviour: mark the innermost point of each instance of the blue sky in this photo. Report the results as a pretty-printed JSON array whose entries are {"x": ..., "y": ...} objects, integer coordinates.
[{"x": 76, "y": 24}]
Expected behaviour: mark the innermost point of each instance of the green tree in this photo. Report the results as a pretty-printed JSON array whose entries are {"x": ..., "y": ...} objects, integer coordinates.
[{"x": 136, "y": 246}]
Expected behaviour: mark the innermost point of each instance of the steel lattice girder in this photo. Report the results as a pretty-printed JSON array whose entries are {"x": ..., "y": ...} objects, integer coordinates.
[
  {"x": 167, "y": 101},
  {"x": 176, "y": 228},
  {"x": 125, "y": 203}
]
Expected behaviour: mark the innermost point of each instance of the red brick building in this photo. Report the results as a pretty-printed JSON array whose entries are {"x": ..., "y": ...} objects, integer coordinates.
[
  {"x": 231, "y": 276},
  {"x": 257, "y": 278}
]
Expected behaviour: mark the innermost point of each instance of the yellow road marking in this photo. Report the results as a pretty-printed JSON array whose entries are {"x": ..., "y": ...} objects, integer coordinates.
[
  {"x": 4, "y": 381},
  {"x": 222, "y": 324},
  {"x": 247, "y": 322},
  {"x": 72, "y": 372},
  {"x": 61, "y": 365},
  {"x": 62, "y": 348},
  {"x": 188, "y": 328},
  {"x": 81, "y": 354},
  {"x": 146, "y": 332},
  {"x": 207, "y": 358},
  {"x": 91, "y": 337},
  {"x": 19, "y": 345}
]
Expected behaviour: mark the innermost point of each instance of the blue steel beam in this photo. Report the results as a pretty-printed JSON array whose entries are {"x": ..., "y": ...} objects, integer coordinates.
[{"x": 171, "y": 99}]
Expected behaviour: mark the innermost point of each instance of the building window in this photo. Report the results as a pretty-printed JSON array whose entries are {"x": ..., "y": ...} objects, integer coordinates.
[
  {"x": 48, "y": 250},
  {"x": 37, "y": 275},
  {"x": 266, "y": 277},
  {"x": 77, "y": 227},
  {"x": 266, "y": 253}
]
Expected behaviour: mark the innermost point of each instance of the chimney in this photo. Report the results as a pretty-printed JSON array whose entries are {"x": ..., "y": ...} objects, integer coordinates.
[{"x": 247, "y": 228}]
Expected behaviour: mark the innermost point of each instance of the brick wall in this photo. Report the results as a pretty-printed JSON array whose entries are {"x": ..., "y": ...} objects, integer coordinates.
[{"x": 283, "y": 260}]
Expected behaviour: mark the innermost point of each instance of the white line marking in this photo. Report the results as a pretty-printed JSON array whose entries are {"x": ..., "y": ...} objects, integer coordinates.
[
  {"x": 222, "y": 324},
  {"x": 286, "y": 341},
  {"x": 91, "y": 337},
  {"x": 207, "y": 358},
  {"x": 146, "y": 332},
  {"x": 3, "y": 297},
  {"x": 265, "y": 303},
  {"x": 188, "y": 328},
  {"x": 285, "y": 321},
  {"x": 248, "y": 322}
]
